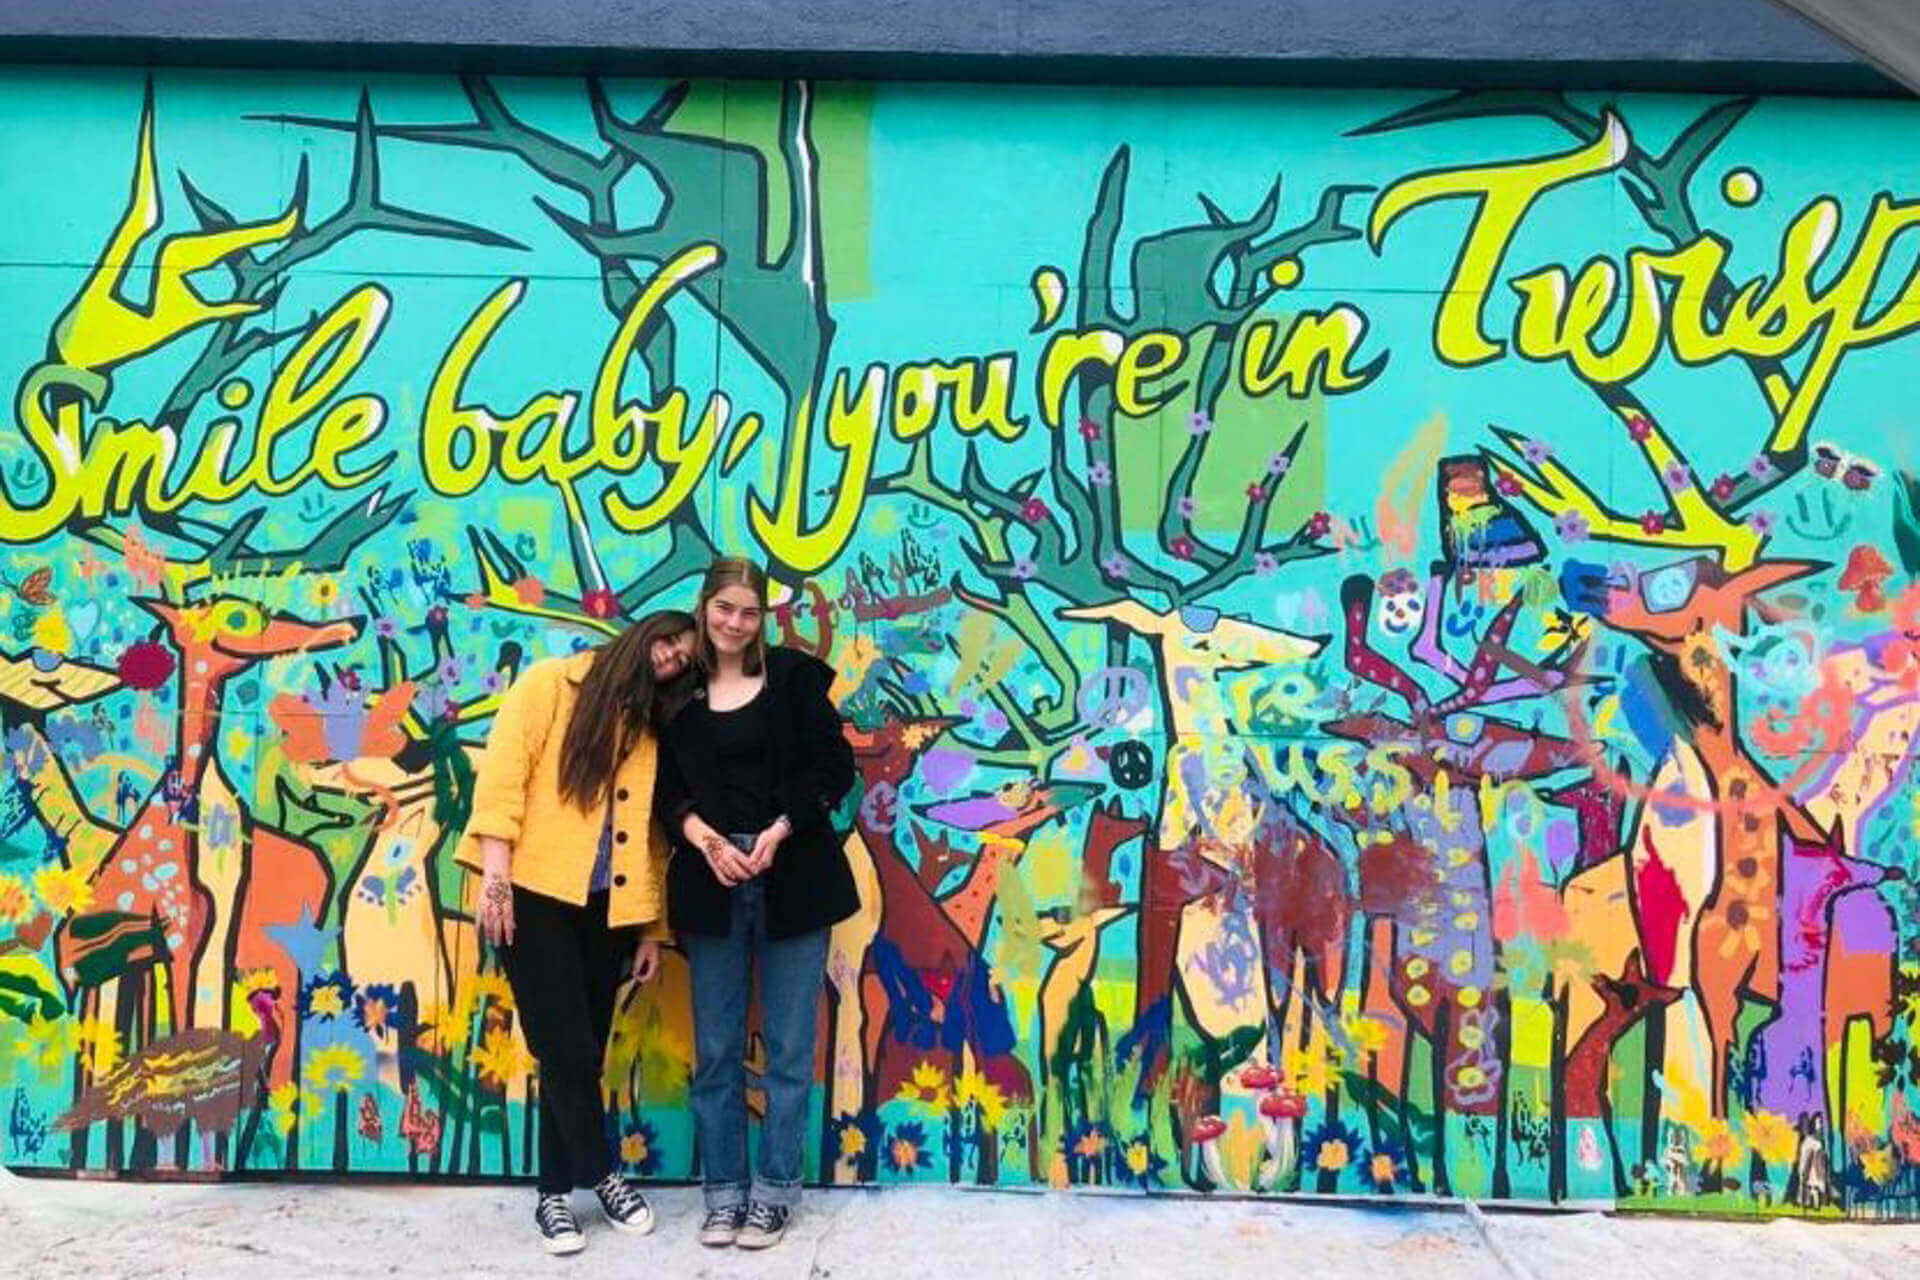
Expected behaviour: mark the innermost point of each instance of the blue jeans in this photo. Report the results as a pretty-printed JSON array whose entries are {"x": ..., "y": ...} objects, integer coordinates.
[{"x": 792, "y": 971}]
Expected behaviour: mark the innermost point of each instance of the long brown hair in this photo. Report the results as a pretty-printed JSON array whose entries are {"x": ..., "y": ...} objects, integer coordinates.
[
  {"x": 730, "y": 571},
  {"x": 619, "y": 700}
]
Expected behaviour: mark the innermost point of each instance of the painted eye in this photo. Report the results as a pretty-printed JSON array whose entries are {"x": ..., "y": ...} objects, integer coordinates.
[
  {"x": 1665, "y": 590},
  {"x": 1859, "y": 476}
]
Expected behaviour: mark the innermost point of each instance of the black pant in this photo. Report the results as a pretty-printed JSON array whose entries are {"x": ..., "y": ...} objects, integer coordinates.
[{"x": 565, "y": 965}]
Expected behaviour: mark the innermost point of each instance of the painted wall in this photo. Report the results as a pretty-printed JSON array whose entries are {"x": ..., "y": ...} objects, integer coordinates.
[{"x": 1379, "y": 629}]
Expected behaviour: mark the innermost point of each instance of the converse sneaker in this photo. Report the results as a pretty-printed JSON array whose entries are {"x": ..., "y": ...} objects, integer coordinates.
[
  {"x": 722, "y": 1226},
  {"x": 766, "y": 1223},
  {"x": 623, "y": 1204},
  {"x": 559, "y": 1230}
]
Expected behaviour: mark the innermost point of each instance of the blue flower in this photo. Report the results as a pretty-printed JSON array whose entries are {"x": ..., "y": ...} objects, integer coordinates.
[
  {"x": 856, "y": 1138},
  {"x": 1136, "y": 1162},
  {"x": 1331, "y": 1148},
  {"x": 376, "y": 1008},
  {"x": 907, "y": 1149},
  {"x": 326, "y": 996},
  {"x": 640, "y": 1149}
]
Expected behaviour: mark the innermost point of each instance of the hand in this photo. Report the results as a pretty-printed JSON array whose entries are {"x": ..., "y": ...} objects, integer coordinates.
[
  {"x": 766, "y": 843},
  {"x": 496, "y": 909},
  {"x": 646, "y": 962},
  {"x": 728, "y": 865}
]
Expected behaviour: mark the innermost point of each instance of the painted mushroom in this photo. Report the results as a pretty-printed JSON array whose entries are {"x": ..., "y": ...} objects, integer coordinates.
[
  {"x": 1280, "y": 1111},
  {"x": 1207, "y": 1131},
  {"x": 1866, "y": 572},
  {"x": 1259, "y": 1078}
]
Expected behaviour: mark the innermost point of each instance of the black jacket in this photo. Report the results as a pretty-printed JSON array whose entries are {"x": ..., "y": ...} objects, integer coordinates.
[{"x": 809, "y": 886}]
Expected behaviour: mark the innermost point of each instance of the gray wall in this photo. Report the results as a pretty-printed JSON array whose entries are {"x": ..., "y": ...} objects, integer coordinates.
[{"x": 1631, "y": 43}]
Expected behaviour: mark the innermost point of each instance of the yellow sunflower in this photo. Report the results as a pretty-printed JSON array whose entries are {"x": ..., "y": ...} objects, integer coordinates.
[
  {"x": 62, "y": 889},
  {"x": 335, "y": 1068},
  {"x": 926, "y": 1090}
]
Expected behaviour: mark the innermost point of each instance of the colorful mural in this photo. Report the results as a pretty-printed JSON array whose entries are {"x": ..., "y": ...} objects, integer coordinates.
[{"x": 1380, "y": 630}]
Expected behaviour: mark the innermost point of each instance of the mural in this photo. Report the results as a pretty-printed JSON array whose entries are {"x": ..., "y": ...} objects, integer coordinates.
[{"x": 1380, "y": 631}]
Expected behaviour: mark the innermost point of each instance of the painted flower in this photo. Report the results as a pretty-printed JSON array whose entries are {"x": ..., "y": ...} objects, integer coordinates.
[
  {"x": 1536, "y": 451},
  {"x": 494, "y": 682},
  {"x": 1761, "y": 468},
  {"x": 1182, "y": 548},
  {"x": 500, "y": 1058},
  {"x": 1331, "y": 1147},
  {"x": 1033, "y": 511},
  {"x": 1772, "y": 1136},
  {"x": 926, "y": 1089},
  {"x": 907, "y": 1149},
  {"x": 1318, "y": 525},
  {"x": 1256, "y": 492},
  {"x": 491, "y": 984},
  {"x": 1639, "y": 428},
  {"x": 16, "y": 901},
  {"x": 286, "y": 1104},
  {"x": 1199, "y": 423},
  {"x": 450, "y": 671},
  {"x": 326, "y": 996},
  {"x": 1677, "y": 475},
  {"x": 1277, "y": 464},
  {"x": 1386, "y": 1168},
  {"x": 386, "y": 626},
  {"x": 971, "y": 1089},
  {"x": 334, "y": 1068},
  {"x": 1139, "y": 1164},
  {"x": 326, "y": 590},
  {"x": 600, "y": 603},
  {"x": 1652, "y": 523},
  {"x": 1099, "y": 473},
  {"x": 437, "y": 616},
  {"x": 1508, "y": 485},
  {"x": 451, "y": 1026},
  {"x": 376, "y": 1008},
  {"x": 1114, "y": 566},
  {"x": 855, "y": 1138},
  {"x": 1572, "y": 526},
  {"x": 1723, "y": 487},
  {"x": 1089, "y": 430},
  {"x": 1762, "y": 523},
  {"x": 62, "y": 889},
  {"x": 640, "y": 1149},
  {"x": 1024, "y": 569},
  {"x": 1187, "y": 506},
  {"x": 1265, "y": 563},
  {"x": 1877, "y": 1164}
]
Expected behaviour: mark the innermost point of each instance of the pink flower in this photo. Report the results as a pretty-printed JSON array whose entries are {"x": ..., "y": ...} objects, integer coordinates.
[
  {"x": 1507, "y": 484},
  {"x": 1182, "y": 548},
  {"x": 1638, "y": 427},
  {"x": 1089, "y": 430},
  {"x": 1723, "y": 487},
  {"x": 1652, "y": 523},
  {"x": 600, "y": 603},
  {"x": 1255, "y": 492},
  {"x": 1319, "y": 525},
  {"x": 1033, "y": 511}
]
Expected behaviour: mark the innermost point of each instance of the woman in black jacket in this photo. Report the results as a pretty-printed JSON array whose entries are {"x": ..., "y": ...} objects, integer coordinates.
[{"x": 751, "y": 770}]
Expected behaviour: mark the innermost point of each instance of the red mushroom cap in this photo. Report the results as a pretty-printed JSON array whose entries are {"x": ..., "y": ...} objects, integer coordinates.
[
  {"x": 1866, "y": 567},
  {"x": 1207, "y": 1128},
  {"x": 1260, "y": 1078},
  {"x": 1285, "y": 1103}
]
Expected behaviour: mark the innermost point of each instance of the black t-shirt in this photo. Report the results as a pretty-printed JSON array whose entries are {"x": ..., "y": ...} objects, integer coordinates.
[{"x": 739, "y": 740}]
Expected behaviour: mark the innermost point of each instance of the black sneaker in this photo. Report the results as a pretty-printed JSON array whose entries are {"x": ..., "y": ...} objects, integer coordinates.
[
  {"x": 623, "y": 1204},
  {"x": 766, "y": 1223},
  {"x": 559, "y": 1230},
  {"x": 722, "y": 1226}
]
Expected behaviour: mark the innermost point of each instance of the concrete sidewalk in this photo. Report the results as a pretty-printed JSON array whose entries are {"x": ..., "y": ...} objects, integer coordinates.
[{"x": 101, "y": 1231}]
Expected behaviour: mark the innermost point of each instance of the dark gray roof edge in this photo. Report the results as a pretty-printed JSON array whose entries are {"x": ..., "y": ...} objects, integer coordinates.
[{"x": 1783, "y": 76}]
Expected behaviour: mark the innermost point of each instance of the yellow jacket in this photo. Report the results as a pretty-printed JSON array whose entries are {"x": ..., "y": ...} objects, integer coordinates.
[{"x": 516, "y": 797}]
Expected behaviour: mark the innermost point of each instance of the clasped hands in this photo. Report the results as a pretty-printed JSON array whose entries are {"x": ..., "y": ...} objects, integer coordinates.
[{"x": 730, "y": 866}]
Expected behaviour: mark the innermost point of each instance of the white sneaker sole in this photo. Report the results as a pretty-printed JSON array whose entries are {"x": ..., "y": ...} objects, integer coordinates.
[
  {"x": 562, "y": 1245},
  {"x": 718, "y": 1239},
  {"x": 757, "y": 1241},
  {"x": 632, "y": 1226}
]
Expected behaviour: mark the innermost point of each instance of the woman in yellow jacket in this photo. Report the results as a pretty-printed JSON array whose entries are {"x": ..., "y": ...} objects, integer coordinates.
[{"x": 573, "y": 884}]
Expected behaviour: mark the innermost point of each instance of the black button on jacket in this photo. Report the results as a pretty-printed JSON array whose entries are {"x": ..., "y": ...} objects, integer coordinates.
[{"x": 809, "y": 886}]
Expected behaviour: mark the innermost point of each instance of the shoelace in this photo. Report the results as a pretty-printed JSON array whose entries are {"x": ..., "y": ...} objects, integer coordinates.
[
  {"x": 620, "y": 1196},
  {"x": 730, "y": 1217},
  {"x": 763, "y": 1217},
  {"x": 555, "y": 1214}
]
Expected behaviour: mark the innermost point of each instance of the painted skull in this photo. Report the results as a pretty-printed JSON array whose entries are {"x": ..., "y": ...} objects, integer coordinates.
[{"x": 1402, "y": 604}]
